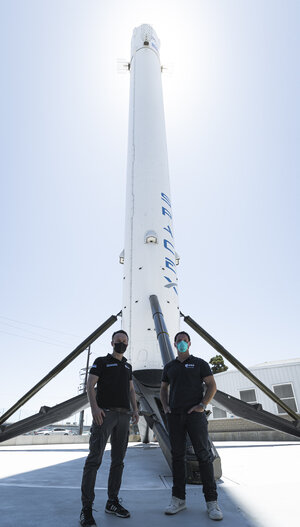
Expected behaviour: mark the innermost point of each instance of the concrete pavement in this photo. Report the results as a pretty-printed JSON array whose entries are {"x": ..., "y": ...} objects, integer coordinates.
[{"x": 40, "y": 486}]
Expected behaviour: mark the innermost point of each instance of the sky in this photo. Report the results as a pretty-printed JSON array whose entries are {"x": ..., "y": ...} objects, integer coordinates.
[{"x": 231, "y": 97}]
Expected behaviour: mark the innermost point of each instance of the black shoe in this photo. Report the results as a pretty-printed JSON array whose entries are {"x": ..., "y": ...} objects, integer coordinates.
[
  {"x": 86, "y": 517},
  {"x": 115, "y": 507}
]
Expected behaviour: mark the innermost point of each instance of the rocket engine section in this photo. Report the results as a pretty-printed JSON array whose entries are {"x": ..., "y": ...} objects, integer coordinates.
[{"x": 149, "y": 255}]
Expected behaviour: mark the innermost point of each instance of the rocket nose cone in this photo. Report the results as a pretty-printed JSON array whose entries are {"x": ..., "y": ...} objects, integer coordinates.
[{"x": 144, "y": 36}]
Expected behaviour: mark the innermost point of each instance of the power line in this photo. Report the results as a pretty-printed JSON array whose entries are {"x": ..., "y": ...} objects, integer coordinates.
[
  {"x": 36, "y": 340},
  {"x": 32, "y": 332},
  {"x": 40, "y": 327}
]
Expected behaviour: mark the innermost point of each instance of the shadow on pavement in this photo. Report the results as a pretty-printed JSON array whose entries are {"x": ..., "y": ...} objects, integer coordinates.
[{"x": 50, "y": 496}]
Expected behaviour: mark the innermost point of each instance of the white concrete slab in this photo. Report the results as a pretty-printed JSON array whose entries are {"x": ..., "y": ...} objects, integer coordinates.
[
  {"x": 40, "y": 486},
  {"x": 264, "y": 479}
]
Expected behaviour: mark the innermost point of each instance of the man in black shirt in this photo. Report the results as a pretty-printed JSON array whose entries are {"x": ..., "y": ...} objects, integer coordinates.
[
  {"x": 185, "y": 408},
  {"x": 110, "y": 406}
]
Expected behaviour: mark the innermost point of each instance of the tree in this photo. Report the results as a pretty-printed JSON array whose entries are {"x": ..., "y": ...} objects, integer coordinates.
[{"x": 218, "y": 364}]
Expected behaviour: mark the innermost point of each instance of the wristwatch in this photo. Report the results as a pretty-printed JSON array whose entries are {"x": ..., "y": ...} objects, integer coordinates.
[{"x": 203, "y": 406}]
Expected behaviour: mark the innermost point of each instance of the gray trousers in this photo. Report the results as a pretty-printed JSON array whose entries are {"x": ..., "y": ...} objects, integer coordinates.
[{"x": 115, "y": 425}]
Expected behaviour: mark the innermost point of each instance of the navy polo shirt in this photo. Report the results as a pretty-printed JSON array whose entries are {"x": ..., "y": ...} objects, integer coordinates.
[
  {"x": 113, "y": 383},
  {"x": 186, "y": 382}
]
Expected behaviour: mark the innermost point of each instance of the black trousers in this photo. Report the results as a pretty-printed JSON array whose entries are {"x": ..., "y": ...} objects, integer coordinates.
[
  {"x": 194, "y": 424},
  {"x": 115, "y": 425}
]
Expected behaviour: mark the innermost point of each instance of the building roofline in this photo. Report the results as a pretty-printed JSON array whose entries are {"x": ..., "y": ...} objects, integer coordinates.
[{"x": 265, "y": 365}]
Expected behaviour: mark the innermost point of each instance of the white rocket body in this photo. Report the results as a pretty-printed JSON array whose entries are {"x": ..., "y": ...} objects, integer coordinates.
[{"x": 149, "y": 254}]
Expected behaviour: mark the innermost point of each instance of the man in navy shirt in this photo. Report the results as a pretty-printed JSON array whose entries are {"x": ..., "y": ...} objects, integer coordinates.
[
  {"x": 110, "y": 406},
  {"x": 184, "y": 405}
]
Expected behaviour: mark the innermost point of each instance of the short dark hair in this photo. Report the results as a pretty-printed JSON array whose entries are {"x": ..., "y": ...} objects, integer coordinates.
[
  {"x": 119, "y": 331},
  {"x": 182, "y": 333}
]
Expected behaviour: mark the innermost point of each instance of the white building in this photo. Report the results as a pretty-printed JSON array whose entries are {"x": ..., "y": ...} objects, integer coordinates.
[{"x": 282, "y": 377}]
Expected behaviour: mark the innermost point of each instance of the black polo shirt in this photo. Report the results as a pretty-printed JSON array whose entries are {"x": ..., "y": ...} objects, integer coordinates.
[
  {"x": 186, "y": 382},
  {"x": 113, "y": 384}
]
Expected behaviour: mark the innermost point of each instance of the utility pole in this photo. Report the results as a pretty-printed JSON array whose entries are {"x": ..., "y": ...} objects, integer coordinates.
[{"x": 81, "y": 417}]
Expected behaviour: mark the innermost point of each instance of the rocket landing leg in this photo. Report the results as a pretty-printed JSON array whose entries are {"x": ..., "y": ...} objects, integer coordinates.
[
  {"x": 153, "y": 414},
  {"x": 147, "y": 386}
]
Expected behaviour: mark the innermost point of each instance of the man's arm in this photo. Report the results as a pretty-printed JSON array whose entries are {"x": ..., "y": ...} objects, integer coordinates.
[
  {"x": 97, "y": 413},
  {"x": 135, "y": 416},
  {"x": 211, "y": 389},
  {"x": 164, "y": 396}
]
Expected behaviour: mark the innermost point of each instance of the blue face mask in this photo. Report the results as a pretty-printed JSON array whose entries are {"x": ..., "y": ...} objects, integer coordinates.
[{"x": 182, "y": 346}]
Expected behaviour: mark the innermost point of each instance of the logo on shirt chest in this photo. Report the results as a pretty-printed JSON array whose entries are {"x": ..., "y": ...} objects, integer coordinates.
[
  {"x": 190, "y": 365},
  {"x": 110, "y": 365}
]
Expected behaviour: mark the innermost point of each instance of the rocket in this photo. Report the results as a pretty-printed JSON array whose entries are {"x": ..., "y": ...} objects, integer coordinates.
[
  {"x": 150, "y": 311},
  {"x": 149, "y": 254}
]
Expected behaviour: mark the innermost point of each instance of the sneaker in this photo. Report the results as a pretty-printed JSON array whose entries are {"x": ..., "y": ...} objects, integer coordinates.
[
  {"x": 176, "y": 505},
  {"x": 86, "y": 517},
  {"x": 213, "y": 510},
  {"x": 115, "y": 507}
]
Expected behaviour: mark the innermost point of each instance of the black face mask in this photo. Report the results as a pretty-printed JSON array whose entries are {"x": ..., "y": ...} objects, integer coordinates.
[{"x": 120, "y": 347}]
